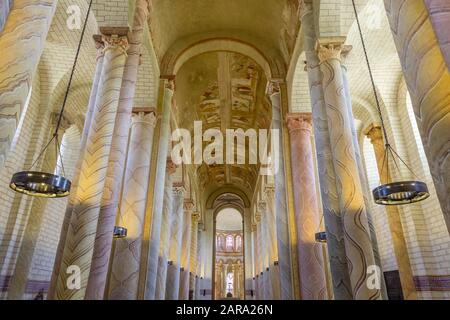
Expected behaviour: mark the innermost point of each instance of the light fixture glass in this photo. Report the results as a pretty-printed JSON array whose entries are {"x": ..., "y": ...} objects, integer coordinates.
[
  {"x": 391, "y": 192},
  {"x": 43, "y": 184},
  {"x": 120, "y": 232},
  {"x": 321, "y": 237}
]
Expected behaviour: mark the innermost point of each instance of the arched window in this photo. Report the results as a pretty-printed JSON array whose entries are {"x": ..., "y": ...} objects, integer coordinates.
[
  {"x": 230, "y": 280},
  {"x": 229, "y": 243},
  {"x": 238, "y": 243}
]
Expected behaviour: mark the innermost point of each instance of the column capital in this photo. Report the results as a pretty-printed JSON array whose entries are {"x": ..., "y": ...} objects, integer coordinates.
[
  {"x": 115, "y": 38},
  {"x": 64, "y": 124},
  {"x": 179, "y": 191},
  {"x": 99, "y": 45},
  {"x": 299, "y": 121},
  {"x": 171, "y": 167},
  {"x": 273, "y": 87},
  {"x": 144, "y": 115},
  {"x": 269, "y": 190},
  {"x": 374, "y": 133},
  {"x": 188, "y": 205},
  {"x": 330, "y": 48},
  {"x": 262, "y": 206},
  {"x": 195, "y": 216}
]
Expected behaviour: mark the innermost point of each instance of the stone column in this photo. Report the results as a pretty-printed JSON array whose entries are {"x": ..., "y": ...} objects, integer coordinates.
[
  {"x": 420, "y": 36},
  {"x": 168, "y": 208},
  {"x": 259, "y": 264},
  {"x": 159, "y": 192},
  {"x": 395, "y": 225},
  {"x": 311, "y": 264},
  {"x": 281, "y": 210},
  {"x": 265, "y": 252},
  {"x": 269, "y": 192},
  {"x": 327, "y": 177},
  {"x": 79, "y": 244},
  {"x": 193, "y": 254},
  {"x": 22, "y": 41},
  {"x": 98, "y": 78},
  {"x": 176, "y": 234},
  {"x": 124, "y": 274},
  {"x": 116, "y": 166},
  {"x": 18, "y": 282},
  {"x": 358, "y": 245},
  {"x": 186, "y": 251}
]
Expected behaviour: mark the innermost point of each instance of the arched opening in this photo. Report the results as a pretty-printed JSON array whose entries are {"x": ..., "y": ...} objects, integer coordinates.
[{"x": 229, "y": 255}]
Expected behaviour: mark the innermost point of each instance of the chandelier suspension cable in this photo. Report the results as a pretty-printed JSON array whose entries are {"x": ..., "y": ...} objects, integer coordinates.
[
  {"x": 388, "y": 146},
  {"x": 66, "y": 95}
]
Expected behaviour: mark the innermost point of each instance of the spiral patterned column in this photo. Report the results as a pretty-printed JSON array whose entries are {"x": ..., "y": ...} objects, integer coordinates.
[
  {"x": 311, "y": 264},
  {"x": 116, "y": 166},
  {"x": 186, "y": 248},
  {"x": 79, "y": 243},
  {"x": 22, "y": 41},
  {"x": 358, "y": 245},
  {"x": 421, "y": 36},
  {"x": 84, "y": 136},
  {"x": 168, "y": 209},
  {"x": 159, "y": 194},
  {"x": 124, "y": 274},
  {"x": 281, "y": 209}
]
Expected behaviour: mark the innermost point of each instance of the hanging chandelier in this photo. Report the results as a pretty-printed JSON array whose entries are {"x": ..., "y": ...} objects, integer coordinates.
[
  {"x": 321, "y": 236},
  {"x": 391, "y": 192},
  {"x": 119, "y": 232},
  {"x": 43, "y": 184}
]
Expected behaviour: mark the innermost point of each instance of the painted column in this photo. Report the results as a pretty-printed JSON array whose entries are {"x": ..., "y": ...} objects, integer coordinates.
[
  {"x": 358, "y": 245},
  {"x": 168, "y": 208},
  {"x": 420, "y": 36},
  {"x": 116, "y": 166},
  {"x": 327, "y": 177},
  {"x": 18, "y": 282},
  {"x": 395, "y": 225},
  {"x": 79, "y": 244},
  {"x": 124, "y": 276},
  {"x": 176, "y": 234},
  {"x": 22, "y": 41},
  {"x": 159, "y": 192},
  {"x": 269, "y": 192},
  {"x": 193, "y": 254},
  {"x": 265, "y": 252},
  {"x": 95, "y": 93},
  {"x": 186, "y": 251},
  {"x": 281, "y": 210},
  {"x": 311, "y": 264}
]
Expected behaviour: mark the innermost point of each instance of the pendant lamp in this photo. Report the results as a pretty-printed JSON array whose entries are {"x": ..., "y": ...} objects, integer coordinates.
[
  {"x": 43, "y": 184},
  {"x": 391, "y": 192}
]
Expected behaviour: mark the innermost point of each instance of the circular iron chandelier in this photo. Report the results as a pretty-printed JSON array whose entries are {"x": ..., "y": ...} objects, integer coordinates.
[
  {"x": 44, "y": 184},
  {"x": 119, "y": 232},
  {"x": 391, "y": 192}
]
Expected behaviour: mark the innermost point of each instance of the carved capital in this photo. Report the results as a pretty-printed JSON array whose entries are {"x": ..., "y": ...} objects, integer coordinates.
[
  {"x": 170, "y": 83},
  {"x": 269, "y": 191},
  {"x": 374, "y": 133},
  {"x": 330, "y": 48},
  {"x": 144, "y": 115},
  {"x": 99, "y": 45},
  {"x": 179, "y": 191},
  {"x": 195, "y": 217},
  {"x": 262, "y": 206},
  {"x": 304, "y": 8},
  {"x": 171, "y": 167},
  {"x": 188, "y": 205},
  {"x": 273, "y": 87},
  {"x": 114, "y": 41},
  {"x": 299, "y": 121},
  {"x": 64, "y": 124}
]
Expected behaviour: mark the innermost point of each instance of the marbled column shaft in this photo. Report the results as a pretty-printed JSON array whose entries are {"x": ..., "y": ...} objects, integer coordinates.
[
  {"x": 311, "y": 264},
  {"x": 98, "y": 78},
  {"x": 168, "y": 208},
  {"x": 358, "y": 245},
  {"x": 176, "y": 235},
  {"x": 22, "y": 41},
  {"x": 124, "y": 275},
  {"x": 420, "y": 36},
  {"x": 113, "y": 183},
  {"x": 327, "y": 177},
  {"x": 281, "y": 209},
  {"x": 159, "y": 193},
  {"x": 186, "y": 241},
  {"x": 193, "y": 254},
  {"x": 84, "y": 218},
  {"x": 395, "y": 225},
  {"x": 259, "y": 264},
  {"x": 265, "y": 252}
]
